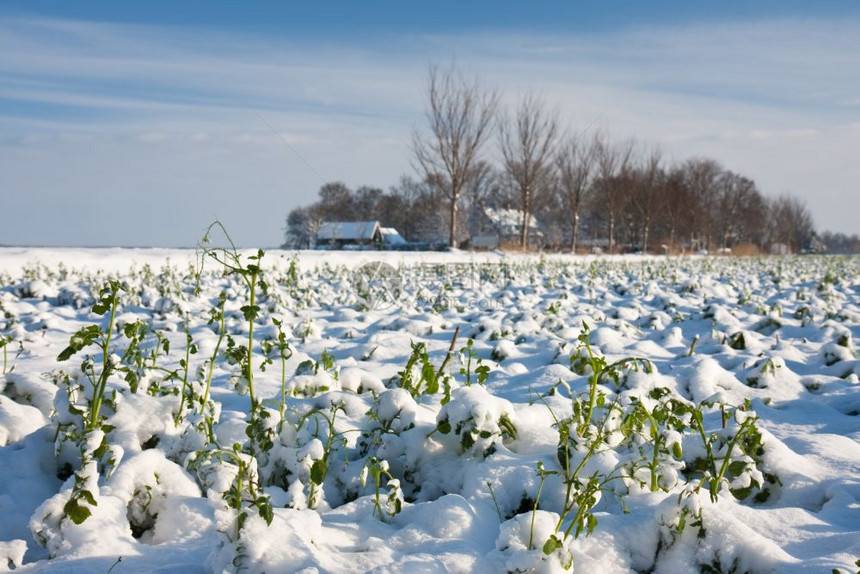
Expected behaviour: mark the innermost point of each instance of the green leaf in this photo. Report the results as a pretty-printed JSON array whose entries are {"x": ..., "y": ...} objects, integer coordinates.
[
  {"x": 741, "y": 493},
  {"x": 444, "y": 426},
  {"x": 551, "y": 545},
  {"x": 82, "y": 338},
  {"x": 88, "y": 496},
  {"x": 306, "y": 367},
  {"x": 428, "y": 373},
  {"x": 250, "y": 312},
  {"x": 737, "y": 467},
  {"x": 676, "y": 450},
  {"x": 467, "y": 440},
  {"x": 76, "y": 511},
  {"x": 318, "y": 471},
  {"x": 507, "y": 426},
  {"x": 67, "y": 353},
  {"x": 266, "y": 511}
]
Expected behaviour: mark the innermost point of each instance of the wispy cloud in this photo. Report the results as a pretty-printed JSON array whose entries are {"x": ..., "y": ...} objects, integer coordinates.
[{"x": 135, "y": 112}]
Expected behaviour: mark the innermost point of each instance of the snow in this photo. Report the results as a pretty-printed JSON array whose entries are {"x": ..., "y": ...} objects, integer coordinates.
[
  {"x": 351, "y": 230},
  {"x": 364, "y": 474}
]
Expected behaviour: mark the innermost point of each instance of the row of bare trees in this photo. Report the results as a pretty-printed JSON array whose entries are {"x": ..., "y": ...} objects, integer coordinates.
[
  {"x": 568, "y": 190},
  {"x": 841, "y": 242},
  {"x": 461, "y": 114}
]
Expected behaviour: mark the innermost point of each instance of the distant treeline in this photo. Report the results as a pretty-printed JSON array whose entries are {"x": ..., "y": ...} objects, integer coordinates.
[
  {"x": 840, "y": 242},
  {"x": 557, "y": 191}
]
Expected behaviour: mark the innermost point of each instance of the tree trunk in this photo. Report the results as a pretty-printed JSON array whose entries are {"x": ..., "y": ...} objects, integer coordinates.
[
  {"x": 452, "y": 238},
  {"x": 575, "y": 233},
  {"x": 645, "y": 229},
  {"x": 611, "y": 232},
  {"x": 524, "y": 233},
  {"x": 672, "y": 238}
]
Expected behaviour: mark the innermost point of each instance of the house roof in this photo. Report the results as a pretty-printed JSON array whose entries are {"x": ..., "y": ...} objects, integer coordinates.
[
  {"x": 509, "y": 219},
  {"x": 391, "y": 236},
  {"x": 347, "y": 230}
]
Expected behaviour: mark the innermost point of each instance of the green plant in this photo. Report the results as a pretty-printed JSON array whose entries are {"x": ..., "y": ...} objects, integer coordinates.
[
  {"x": 477, "y": 419},
  {"x": 108, "y": 301},
  {"x": 284, "y": 352},
  {"x": 244, "y": 493},
  {"x": 481, "y": 371},
  {"x": 693, "y": 346},
  {"x": 319, "y": 468},
  {"x": 205, "y": 408},
  {"x": 737, "y": 341},
  {"x": 600, "y": 371},
  {"x": 662, "y": 425},
  {"x": 737, "y": 470},
  {"x": 5, "y": 340},
  {"x": 574, "y": 451},
  {"x": 187, "y": 391},
  {"x": 93, "y": 449},
  {"x": 378, "y": 469},
  {"x": 87, "y": 429},
  {"x": 250, "y": 274},
  {"x": 310, "y": 367},
  {"x": 496, "y": 503},
  {"x": 419, "y": 374},
  {"x": 134, "y": 358}
]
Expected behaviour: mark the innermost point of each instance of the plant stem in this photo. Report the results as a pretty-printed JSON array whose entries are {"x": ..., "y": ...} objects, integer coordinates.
[
  {"x": 214, "y": 357},
  {"x": 250, "y": 370},
  {"x": 448, "y": 354},
  {"x": 535, "y": 508},
  {"x": 102, "y": 381}
]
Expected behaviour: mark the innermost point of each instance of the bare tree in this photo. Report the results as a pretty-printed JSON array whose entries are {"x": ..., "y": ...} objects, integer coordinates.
[
  {"x": 335, "y": 202},
  {"x": 460, "y": 112},
  {"x": 482, "y": 190},
  {"x": 613, "y": 181},
  {"x": 737, "y": 206},
  {"x": 365, "y": 203},
  {"x": 646, "y": 191},
  {"x": 676, "y": 205},
  {"x": 301, "y": 228},
  {"x": 575, "y": 164},
  {"x": 528, "y": 143},
  {"x": 422, "y": 217},
  {"x": 791, "y": 222},
  {"x": 702, "y": 182}
]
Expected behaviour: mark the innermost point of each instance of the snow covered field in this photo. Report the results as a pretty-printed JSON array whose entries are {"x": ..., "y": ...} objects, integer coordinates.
[{"x": 438, "y": 413}]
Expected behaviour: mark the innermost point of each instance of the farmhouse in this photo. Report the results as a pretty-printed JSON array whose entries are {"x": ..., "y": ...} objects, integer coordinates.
[
  {"x": 506, "y": 225},
  {"x": 391, "y": 239},
  {"x": 349, "y": 235}
]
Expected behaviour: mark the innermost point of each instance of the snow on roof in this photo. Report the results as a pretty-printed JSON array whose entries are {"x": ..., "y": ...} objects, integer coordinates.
[
  {"x": 347, "y": 230},
  {"x": 391, "y": 236},
  {"x": 508, "y": 218}
]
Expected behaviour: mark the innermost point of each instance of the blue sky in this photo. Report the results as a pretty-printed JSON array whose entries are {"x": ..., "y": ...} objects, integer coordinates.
[{"x": 137, "y": 123}]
